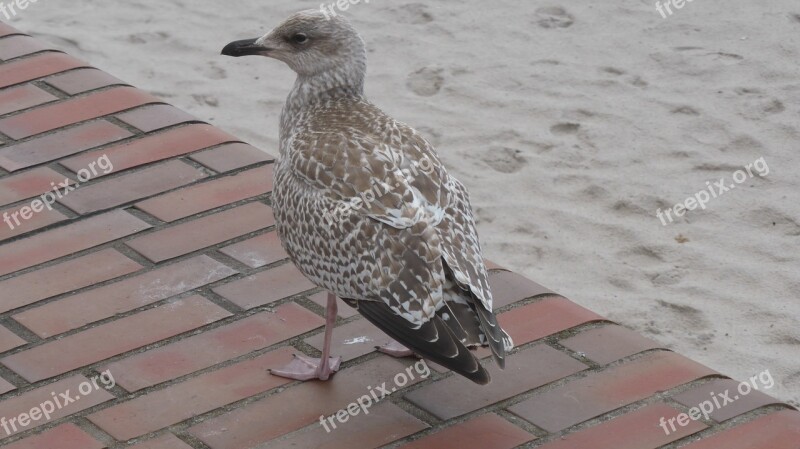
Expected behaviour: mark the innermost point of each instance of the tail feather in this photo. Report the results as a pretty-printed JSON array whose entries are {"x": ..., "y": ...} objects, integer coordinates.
[
  {"x": 496, "y": 337},
  {"x": 433, "y": 340}
]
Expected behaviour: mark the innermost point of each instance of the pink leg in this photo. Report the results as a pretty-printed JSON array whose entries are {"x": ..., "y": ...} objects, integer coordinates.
[
  {"x": 330, "y": 321},
  {"x": 306, "y": 368}
]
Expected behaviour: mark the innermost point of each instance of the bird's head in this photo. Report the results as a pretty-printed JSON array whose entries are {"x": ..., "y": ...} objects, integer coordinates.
[{"x": 310, "y": 42}]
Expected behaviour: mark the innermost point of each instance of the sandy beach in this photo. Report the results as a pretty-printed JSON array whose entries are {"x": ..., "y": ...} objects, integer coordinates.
[{"x": 572, "y": 124}]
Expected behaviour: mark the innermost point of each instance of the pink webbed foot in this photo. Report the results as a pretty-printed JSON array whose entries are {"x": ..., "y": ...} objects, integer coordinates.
[
  {"x": 306, "y": 368},
  {"x": 395, "y": 349}
]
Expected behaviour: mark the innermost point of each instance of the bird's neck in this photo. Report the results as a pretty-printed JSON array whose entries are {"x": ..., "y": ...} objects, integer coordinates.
[{"x": 311, "y": 90}]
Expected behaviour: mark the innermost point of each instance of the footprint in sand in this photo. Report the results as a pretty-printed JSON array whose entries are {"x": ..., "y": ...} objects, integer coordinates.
[
  {"x": 785, "y": 338},
  {"x": 716, "y": 167},
  {"x": 144, "y": 38},
  {"x": 756, "y": 104},
  {"x": 641, "y": 255},
  {"x": 505, "y": 159},
  {"x": 594, "y": 192},
  {"x": 484, "y": 215},
  {"x": 629, "y": 208},
  {"x": 554, "y": 17},
  {"x": 792, "y": 382},
  {"x": 414, "y": 13},
  {"x": 694, "y": 60},
  {"x": 694, "y": 318},
  {"x": 684, "y": 110},
  {"x": 426, "y": 81},
  {"x": 214, "y": 72},
  {"x": 771, "y": 219},
  {"x": 208, "y": 100},
  {"x": 613, "y": 71},
  {"x": 565, "y": 128},
  {"x": 667, "y": 277},
  {"x": 635, "y": 80}
]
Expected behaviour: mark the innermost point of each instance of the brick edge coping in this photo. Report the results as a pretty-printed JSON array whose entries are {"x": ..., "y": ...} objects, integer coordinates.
[{"x": 135, "y": 117}]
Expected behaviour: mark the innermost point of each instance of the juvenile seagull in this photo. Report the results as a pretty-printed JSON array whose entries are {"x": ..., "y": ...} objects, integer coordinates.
[{"x": 366, "y": 210}]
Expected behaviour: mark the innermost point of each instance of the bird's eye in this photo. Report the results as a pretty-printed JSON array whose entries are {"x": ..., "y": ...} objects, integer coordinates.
[{"x": 300, "y": 38}]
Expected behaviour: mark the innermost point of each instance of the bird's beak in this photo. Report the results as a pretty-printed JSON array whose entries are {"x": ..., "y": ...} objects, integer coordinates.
[{"x": 244, "y": 48}]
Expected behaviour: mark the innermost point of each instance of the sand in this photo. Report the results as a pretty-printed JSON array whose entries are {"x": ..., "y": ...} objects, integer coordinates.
[{"x": 570, "y": 122}]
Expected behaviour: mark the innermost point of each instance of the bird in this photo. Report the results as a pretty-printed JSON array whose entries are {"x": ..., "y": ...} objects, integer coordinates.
[{"x": 366, "y": 210}]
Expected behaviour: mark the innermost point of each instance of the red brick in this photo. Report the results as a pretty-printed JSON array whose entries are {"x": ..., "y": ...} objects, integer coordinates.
[
  {"x": 344, "y": 310},
  {"x": 8, "y": 30},
  {"x": 168, "y": 441},
  {"x": 257, "y": 252},
  {"x": 384, "y": 424},
  {"x": 6, "y": 386},
  {"x": 203, "y": 232},
  {"x": 213, "y": 347},
  {"x": 780, "y": 430},
  {"x": 37, "y": 66},
  {"x": 265, "y": 287},
  {"x": 508, "y": 288},
  {"x": 23, "y": 403},
  {"x": 607, "y": 390},
  {"x": 65, "y": 277},
  {"x": 741, "y": 403},
  {"x": 209, "y": 195},
  {"x": 151, "y": 148},
  {"x": 23, "y": 97},
  {"x": 270, "y": 417},
  {"x": 16, "y": 46},
  {"x": 131, "y": 187},
  {"x": 635, "y": 430},
  {"x": 73, "y": 110},
  {"x": 352, "y": 340},
  {"x": 9, "y": 340},
  {"x": 83, "y": 80},
  {"x": 608, "y": 343},
  {"x": 157, "y": 116},
  {"x": 27, "y": 185},
  {"x": 231, "y": 157},
  {"x": 544, "y": 317},
  {"x": 113, "y": 338},
  {"x": 69, "y": 239},
  {"x": 60, "y": 144},
  {"x": 193, "y": 397},
  {"x": 79, "y": 310},
  {"x": 486, "y": 431},
  {"x": 36, "y": 221},
  {"x": 524, "y": 371},
  {"x": 65, "y": 436}
]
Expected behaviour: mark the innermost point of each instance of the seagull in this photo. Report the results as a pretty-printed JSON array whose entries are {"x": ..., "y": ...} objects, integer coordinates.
[{"x": 367, "y": 211}]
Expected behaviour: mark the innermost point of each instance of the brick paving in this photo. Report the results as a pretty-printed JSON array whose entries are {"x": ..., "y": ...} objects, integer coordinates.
[{"x": 166, "y": 274}]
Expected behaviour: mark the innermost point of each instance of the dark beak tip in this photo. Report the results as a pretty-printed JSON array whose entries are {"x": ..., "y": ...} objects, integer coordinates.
[
  {"x": 242, "y": 48},
  {"x": 228, "y": 50}
]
